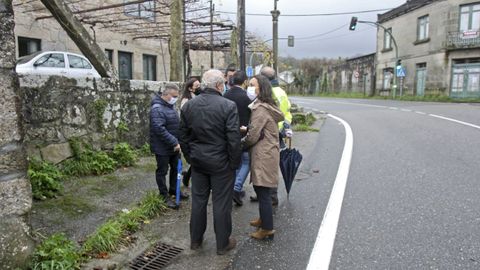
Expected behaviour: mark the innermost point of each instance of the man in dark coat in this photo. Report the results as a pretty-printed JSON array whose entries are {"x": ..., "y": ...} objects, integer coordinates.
[
  {"x": 164, "y": 124},
  {"x": 238, "y": 95},
  {"x": 210, "y": 141}
]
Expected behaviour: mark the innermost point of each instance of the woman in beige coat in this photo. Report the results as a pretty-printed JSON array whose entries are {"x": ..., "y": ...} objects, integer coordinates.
[{"x": 262, "y": 137}]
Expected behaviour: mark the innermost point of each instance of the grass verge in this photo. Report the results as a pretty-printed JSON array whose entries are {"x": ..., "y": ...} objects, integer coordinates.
[{"x": 57, "y": 252}]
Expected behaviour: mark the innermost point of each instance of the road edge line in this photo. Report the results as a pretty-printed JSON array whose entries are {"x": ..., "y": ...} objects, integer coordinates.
[
  {"x": 454, "y": 120},
  {"x": 323, "y": 248}
]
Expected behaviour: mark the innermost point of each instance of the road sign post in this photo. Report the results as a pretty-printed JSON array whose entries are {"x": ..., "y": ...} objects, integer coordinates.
[
  {"x": 401, "y": 73},
  {"x": 249, "y": 71}
]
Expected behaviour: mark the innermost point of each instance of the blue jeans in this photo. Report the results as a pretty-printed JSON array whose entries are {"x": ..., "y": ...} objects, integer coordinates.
[{"x": 242, "y": 172}]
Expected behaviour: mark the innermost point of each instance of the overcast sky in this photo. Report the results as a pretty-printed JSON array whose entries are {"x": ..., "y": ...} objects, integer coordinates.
[{"x": 343, "y": 42}]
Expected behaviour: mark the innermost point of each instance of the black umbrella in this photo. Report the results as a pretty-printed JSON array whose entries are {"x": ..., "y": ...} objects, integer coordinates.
[{"x": 290, "y": 160}]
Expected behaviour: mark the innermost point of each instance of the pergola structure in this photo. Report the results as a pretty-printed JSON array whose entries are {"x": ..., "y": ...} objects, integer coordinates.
[{"x": 147, "y": 19}]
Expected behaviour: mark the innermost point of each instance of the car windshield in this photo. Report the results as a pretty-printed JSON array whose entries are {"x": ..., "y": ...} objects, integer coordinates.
[{"x": 25, "y": 59}]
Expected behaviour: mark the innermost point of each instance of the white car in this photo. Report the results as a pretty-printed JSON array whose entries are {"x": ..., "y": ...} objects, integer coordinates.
[{"x": 56, "y": 63}]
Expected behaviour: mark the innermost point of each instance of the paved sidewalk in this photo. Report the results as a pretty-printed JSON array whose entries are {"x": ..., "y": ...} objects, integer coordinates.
[{"x": 173, "y": 227}]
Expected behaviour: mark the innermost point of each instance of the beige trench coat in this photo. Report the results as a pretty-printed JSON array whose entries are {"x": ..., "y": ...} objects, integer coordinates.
[{"x": 263, "y": 139}]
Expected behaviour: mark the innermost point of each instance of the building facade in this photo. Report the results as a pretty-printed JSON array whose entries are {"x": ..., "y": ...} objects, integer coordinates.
[
  {"x": 438, "y": 45},
  {"x": 132, "y": 56}
]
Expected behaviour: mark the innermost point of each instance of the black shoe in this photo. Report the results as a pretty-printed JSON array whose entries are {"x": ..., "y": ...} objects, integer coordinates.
[
  {"x": 196, "y": 245},
  {"x": 171, "y": 204},
  {"x": 254, "y": 198},
  {"x": 232, "y": 243},
  {"x": 242, "y": 194},
  {"x": 237, "y": 198},
  {"x": 274, "y": 200}
]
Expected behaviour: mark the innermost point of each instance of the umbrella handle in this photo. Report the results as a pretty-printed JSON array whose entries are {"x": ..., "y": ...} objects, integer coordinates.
[{"x": 289, "y": 143}]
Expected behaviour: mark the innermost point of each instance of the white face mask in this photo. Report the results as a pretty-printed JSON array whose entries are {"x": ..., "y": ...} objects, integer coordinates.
[
  {"x": 173, "y": 101},
  {"x": 251, "y": 92}
]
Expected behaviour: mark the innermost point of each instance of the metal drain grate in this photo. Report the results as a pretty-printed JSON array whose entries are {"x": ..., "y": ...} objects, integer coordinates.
[{"x": 156, "y": 258}]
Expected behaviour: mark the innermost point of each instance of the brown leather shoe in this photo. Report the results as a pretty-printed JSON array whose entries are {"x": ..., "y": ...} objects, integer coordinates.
[
  {"x": 262, "y": 234},
  {"x": 256, "y": 222},
  {"x": 232, "y": 243}
]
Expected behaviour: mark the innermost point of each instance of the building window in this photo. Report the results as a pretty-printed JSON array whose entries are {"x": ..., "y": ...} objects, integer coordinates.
[
  {"x": 470, "y": 17},
  {"x": 387, "y": 39},
  {"x": 109, "y": 55},
  {"x": 423, "y": 26},
  {"x": 125, "y": 68},
  {"x": 149, "y": 67},
  {"x": 28, "y": 46},
  {"x": 144, "y": 10}
]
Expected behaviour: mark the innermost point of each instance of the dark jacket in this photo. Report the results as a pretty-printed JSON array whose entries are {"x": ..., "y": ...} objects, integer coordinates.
[
  {"x": 240, "y": 97},
  {"x": 164, "y": 125},
  {"x": 209, "y": 133}
]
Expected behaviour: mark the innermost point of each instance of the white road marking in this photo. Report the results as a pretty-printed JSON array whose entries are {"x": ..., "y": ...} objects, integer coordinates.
[
  {"x": 399, "y": 109},
  {"x": 322, "y": 251},
  {"x": 454, "y": 120}
]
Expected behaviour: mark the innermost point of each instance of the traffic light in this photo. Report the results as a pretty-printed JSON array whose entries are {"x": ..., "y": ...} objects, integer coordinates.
[
  {"x": 353, "y": 24},
  {"x": 291, "y": 41}
]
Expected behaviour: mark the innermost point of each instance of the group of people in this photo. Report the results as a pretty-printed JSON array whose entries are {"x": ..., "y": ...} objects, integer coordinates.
[{"x": 228, "y": 127}]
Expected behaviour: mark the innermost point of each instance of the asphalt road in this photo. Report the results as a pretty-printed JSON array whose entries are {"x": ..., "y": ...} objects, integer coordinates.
[{"x": 412, "y": 197}]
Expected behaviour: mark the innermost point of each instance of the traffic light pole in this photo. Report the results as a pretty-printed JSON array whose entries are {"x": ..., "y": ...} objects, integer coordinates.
[
  {"x": 396, "y": 53},
  {"x": 275, "y": 15}
]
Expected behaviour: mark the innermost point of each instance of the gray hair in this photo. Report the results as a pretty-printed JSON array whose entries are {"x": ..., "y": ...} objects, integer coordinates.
[
  {"x": 169, "y": 87},
  {"x": 268, "y": 72},
  {"x": 212, "y": 78}
]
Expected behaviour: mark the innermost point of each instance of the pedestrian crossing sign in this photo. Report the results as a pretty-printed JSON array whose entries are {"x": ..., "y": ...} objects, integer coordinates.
[{"x": 401, "y": 71}]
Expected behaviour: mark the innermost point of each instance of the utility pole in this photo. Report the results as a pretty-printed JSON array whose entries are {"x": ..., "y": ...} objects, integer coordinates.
[
  {"x": 241, "y": 32},
  {"x": 275, "y": 15},
  {"x": 212, "y": 7}
]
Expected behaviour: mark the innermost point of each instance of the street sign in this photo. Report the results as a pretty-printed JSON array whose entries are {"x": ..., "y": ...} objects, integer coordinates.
[
  {"x": 401, "y": 72},
  {"x": 249, "y": 71}
]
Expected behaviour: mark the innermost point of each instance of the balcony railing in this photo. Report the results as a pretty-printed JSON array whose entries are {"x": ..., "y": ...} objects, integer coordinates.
[{"x": 463, "y": 39}]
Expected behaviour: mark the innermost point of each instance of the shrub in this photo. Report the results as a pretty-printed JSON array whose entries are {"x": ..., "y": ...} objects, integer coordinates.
[
  {"x": 144, "y": 151},
  {"x": 45, "y": 179},
  {"x": 89, "y": 162},
  {"x": 56, "y": 252},
  {"x": 124, "y": 155}
]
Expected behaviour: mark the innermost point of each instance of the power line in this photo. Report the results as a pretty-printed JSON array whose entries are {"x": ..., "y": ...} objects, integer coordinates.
[
  {"x": 338, "y": 36},
  {"x": 311, "y": 15},
  {"x": 322, "y": 34}
]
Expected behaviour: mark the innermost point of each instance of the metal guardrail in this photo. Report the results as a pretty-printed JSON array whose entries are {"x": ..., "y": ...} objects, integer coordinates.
[{"x": 463, "y": 39}]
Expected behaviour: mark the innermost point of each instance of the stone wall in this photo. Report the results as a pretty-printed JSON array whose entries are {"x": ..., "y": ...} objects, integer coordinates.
[
  {"x": 56, "y": 109},
  {"x": 15, "y": 192}
]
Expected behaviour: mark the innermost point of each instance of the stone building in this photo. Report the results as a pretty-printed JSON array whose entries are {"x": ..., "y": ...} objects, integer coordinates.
[
  {"x": 356, "y": 75},
  {"x": 137, "y": 57},
  {"x": 438, "y": 45}
]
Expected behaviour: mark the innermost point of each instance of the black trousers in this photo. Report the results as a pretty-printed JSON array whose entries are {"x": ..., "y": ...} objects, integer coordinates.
[
  {"x": 221, "y": 185},
  {"x": 163, "y": 162},
  {"x": 265, "y": 206},
  {"x": 187, "y": 176}
]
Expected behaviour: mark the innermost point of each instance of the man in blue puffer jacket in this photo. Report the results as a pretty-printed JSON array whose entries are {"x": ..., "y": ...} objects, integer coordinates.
[{"x": 164, "y": 125}]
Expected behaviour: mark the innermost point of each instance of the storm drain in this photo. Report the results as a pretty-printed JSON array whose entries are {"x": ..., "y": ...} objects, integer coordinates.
[{"x": 156, "y": 258}]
